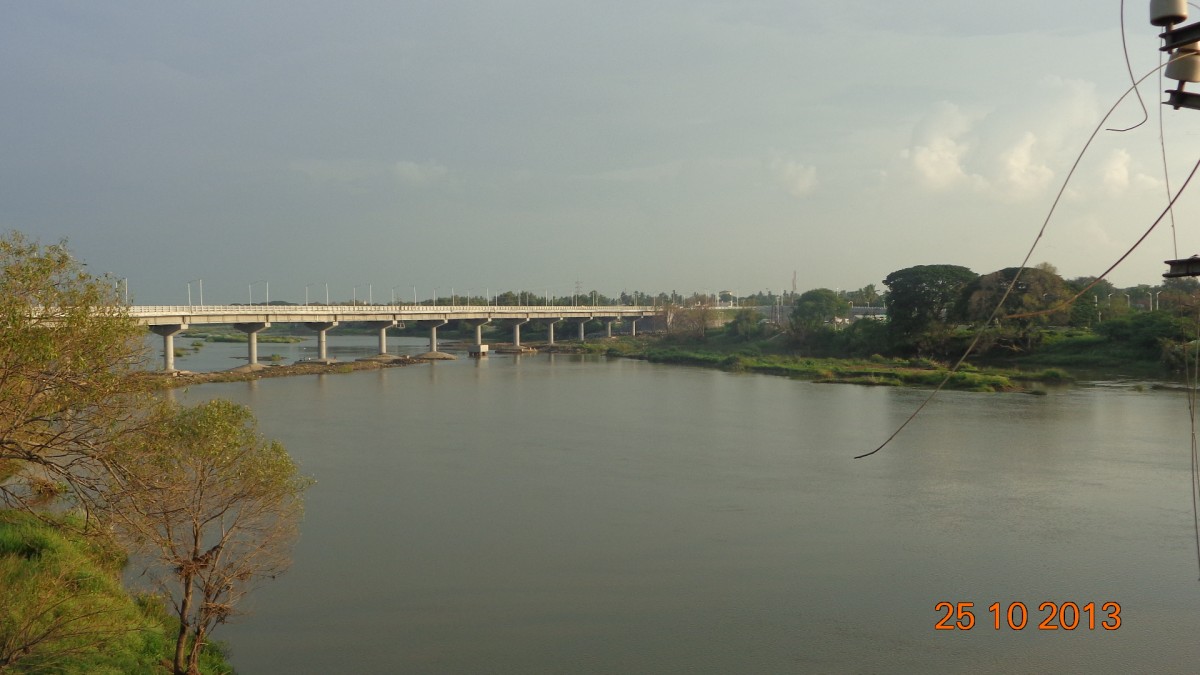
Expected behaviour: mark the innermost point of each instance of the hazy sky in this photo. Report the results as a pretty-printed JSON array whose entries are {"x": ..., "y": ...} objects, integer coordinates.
[{"x": 653, "y": 145}]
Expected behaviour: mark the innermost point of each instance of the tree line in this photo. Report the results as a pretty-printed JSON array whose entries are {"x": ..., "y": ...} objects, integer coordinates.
[{"x": 937, "y": 310}]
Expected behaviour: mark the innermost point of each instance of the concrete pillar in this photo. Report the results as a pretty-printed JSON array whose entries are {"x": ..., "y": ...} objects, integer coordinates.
[
  {"x": 168, "y": 333},
  {"x": 321, "y": 327},
  {"x": 382, "y": 326},
  {"x": 550, "y": 330},
  {"x": 478, "y": 324},
  {"x": 251, "y": 330},
  {"x": 517, "y": 332},
  {"x": 581, "y": 324},
  {"x": 633, "y": 327},
  {"x": 608, "y": 328},
  {"x": 433, "y": 346}
]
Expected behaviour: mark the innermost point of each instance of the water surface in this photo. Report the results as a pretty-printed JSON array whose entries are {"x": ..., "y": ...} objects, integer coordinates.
[{"x": 554, "y": 514}]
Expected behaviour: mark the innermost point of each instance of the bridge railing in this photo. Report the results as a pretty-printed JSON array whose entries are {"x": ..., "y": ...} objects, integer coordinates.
[{"x": 172, "y": 310}]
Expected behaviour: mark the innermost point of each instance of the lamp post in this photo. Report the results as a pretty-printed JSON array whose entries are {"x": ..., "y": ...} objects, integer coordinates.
[
  {"x": 1157, "y": 305},
  {"x": 250, "y": 290},
  {"x": 189, "y": 285},
  {"x": 306, "y": 287}
]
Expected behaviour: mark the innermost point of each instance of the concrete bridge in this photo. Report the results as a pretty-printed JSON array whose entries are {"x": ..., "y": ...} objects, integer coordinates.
[{"x": 169, "y": 320}]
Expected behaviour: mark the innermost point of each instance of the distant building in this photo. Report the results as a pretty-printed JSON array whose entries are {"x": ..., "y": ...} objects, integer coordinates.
[{"x": 873, "y": 313}]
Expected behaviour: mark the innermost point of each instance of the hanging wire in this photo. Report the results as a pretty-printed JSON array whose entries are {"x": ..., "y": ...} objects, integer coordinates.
[
  {"x": 1194, "y": 376},
  {"x": 1021, "y": 268},
  {"x": 1129, "y": 68}
]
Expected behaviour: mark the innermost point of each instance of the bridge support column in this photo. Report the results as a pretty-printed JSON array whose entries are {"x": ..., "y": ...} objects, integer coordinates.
[
  {"x": 478, "y": 325},
  {"x": 550, "y": 330},
  {"x": 433, "y": 346},
  {"x": 517, "y": 332},
  {"x": 252, "y": 330},
  {"x": 383, "y": 327},
  {"x": 581, "y": 323},
  {"x": 320, "y": 327},
  {"x": 608, "y": 328},
  {"x": 168, "y": 333},
  {"x": 633, "y": 327}
]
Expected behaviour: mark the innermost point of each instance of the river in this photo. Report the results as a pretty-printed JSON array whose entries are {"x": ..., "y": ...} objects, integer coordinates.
[{"x": 569, "y": 514}]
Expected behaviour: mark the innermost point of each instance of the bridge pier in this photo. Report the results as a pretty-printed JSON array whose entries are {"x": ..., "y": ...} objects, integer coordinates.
[
  {"x": 168, "y": 333},
  {"x": 550, "y": 329},
  {"x": 252, "y": 330},
  {"x": 383, "y": 327},
  {"x": 633, "y": 327},
  {"x": 320, "y": 327},
  {"x": 478, "y": 349},
  {"x": 581, "y": 323},
  {"x": 433, "y": 345},
  {"x": 517, "y": 332}
]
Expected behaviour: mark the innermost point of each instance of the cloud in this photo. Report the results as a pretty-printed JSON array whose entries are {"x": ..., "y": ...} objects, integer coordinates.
[
  {"x": 1118, "y": 174},
  {"x": 799, "y": 179},
  {"x": 1023, "y": 173},
  {"x": 414, "y": 174},
  {"x": 940, "y": 147}
]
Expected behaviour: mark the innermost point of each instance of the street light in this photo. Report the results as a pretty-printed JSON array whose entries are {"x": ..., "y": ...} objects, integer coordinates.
[
  {"x": 354, "y": 295},
  {"x": 306, "y": 287},
  {"x": 189, "y": 284},
  {"x": 250, "y": 290}
]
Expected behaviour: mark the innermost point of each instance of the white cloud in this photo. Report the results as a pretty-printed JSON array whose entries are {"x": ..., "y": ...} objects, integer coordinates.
[
  {"x": 414, "y": 174},
  {"x": 1023, "y": 173},
  {"x": 939, "y": 148},
  {"x": 799, "y": 179}
]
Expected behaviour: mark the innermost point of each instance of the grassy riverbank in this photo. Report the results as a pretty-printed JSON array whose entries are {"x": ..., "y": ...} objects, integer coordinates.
[
  {"x": 63, "y": 608},
  {"x": 771, "y": 358}
]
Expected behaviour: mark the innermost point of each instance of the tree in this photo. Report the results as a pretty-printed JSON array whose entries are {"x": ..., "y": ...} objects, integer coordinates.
[
  {"x": 216, "y": 508},
  {"x": 66, "y": 356},
  {"x": 1036, "y": 291},
  {"x": 815, "y": 308},
  {"x": 921, "y": 296},
  {"x": 746, "y": 324}
]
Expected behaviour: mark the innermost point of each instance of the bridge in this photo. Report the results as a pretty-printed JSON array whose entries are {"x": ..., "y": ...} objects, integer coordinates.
[{"x": 169, "y": 320}]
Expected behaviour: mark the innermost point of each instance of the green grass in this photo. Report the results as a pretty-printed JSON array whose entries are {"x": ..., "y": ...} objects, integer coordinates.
[
  {"x": 58, "y": 583},
  {"x": 769, "y": 358}
]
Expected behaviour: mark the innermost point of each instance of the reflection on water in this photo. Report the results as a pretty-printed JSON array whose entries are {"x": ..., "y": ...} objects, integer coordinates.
[{"x": 573, "y": 514}]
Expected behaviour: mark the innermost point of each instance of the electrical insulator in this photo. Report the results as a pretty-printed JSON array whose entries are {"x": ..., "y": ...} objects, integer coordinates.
[
  {"x": 1185, "y": 64},
  {"x": 1168, "y": 12}
]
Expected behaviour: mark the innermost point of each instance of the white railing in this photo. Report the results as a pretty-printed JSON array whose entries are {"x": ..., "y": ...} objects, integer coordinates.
[{"x": 139, "y": 311}]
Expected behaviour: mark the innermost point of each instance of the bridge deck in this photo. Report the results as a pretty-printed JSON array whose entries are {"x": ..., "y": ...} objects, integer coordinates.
[{"x": 161, "y": 315}]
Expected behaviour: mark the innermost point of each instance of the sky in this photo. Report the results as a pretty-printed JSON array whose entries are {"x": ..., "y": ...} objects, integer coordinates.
[{"x": 658, "y": 145}]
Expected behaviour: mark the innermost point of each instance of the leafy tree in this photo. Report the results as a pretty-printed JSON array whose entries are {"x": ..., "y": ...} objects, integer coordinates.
[
  {"x": 921, "y": 296},
  {"x": 816, "y": 308},
  {"x": 216, "y": 508},
  {"x": 66, "y": 356},
  {"x": 1037, "y": 290},
  {"x": 746, "y": 325}
]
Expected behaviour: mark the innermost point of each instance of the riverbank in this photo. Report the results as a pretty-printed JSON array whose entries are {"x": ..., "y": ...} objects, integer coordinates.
[
  {"x": 874, "y": 371},
  {"x": 245, "y": 373}
]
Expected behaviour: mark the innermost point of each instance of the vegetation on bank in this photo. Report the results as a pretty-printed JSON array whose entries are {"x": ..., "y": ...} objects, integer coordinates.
[
  {"x": 63, "y": 608},
  {"x": 93, "y": 466},
  {"x": 772, "y": 358}
]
